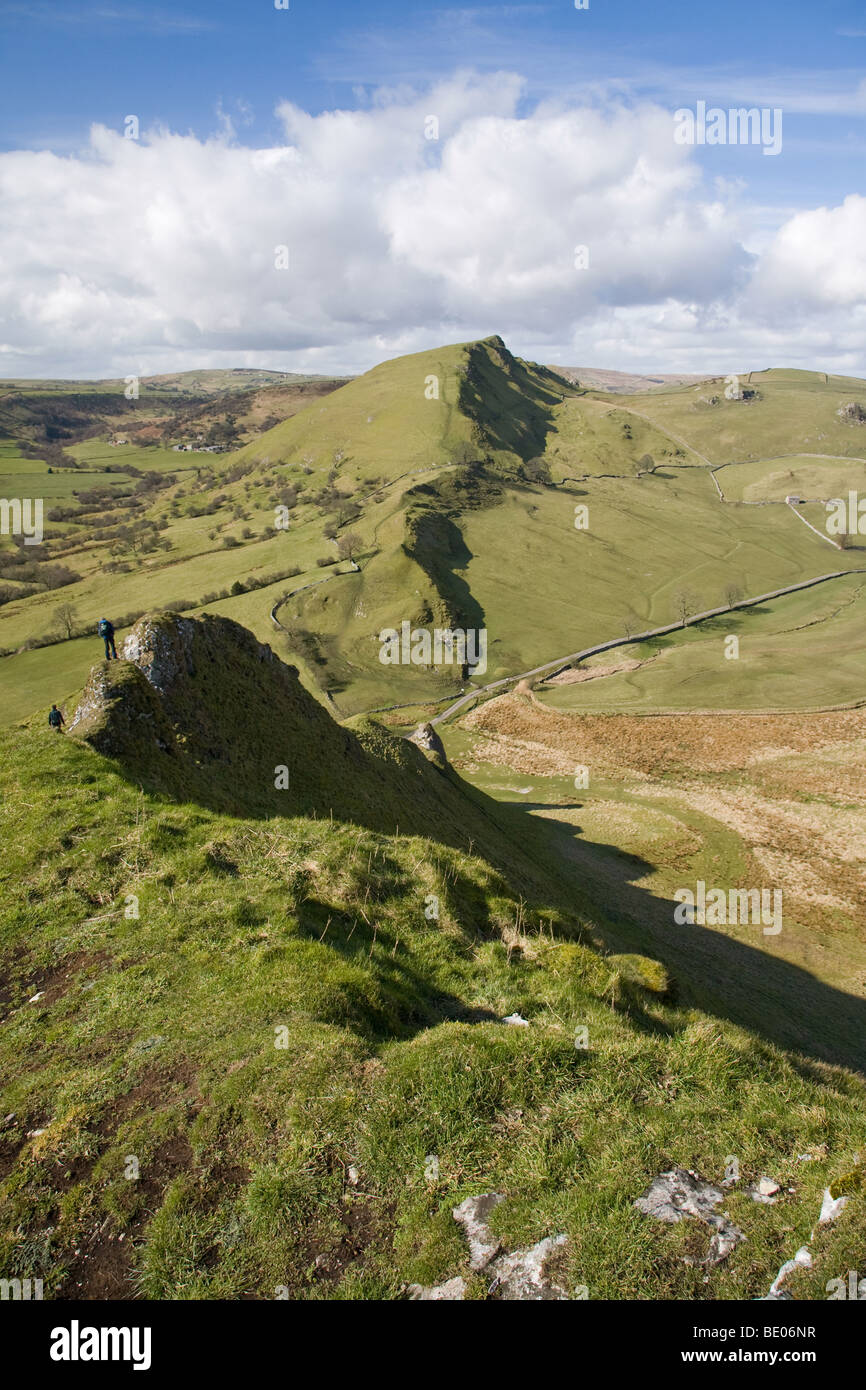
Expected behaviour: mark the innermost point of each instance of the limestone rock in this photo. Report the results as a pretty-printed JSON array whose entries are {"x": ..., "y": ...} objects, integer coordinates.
[{"x": 681, "y": 1193}]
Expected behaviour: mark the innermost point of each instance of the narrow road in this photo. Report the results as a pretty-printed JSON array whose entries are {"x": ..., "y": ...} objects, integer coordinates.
[
  {"x": 551, "y": 666},
  {"x": 822, "y": 535}
]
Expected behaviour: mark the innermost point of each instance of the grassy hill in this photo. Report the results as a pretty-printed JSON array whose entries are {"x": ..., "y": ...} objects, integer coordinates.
[
  {"x": 404, "y": 415},
  {"x": 201, "y": 711},
  {"x": 237, "y": 1031},
  {"x": 490, "y": 541},
  {"x": 780, "y": 413},
  {"x": 461, "y": 472}
]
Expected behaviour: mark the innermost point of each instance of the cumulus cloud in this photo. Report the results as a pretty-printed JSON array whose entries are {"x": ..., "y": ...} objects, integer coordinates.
[
  {"x": 158, "y": 253},
  {"x": 816, "y": 262}
]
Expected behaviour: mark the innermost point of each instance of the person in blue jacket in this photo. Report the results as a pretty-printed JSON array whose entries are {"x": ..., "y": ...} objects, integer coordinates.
[{"x": 105, "y": 628}]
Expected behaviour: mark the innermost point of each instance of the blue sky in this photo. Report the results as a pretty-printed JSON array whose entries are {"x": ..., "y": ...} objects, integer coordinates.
[
  {"x": 207, "y": 68},
  {"x": 68, "y": 64}
]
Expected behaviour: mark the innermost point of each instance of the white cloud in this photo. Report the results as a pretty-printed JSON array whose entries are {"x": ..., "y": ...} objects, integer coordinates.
[
  {"x": 817, "y": 261},
  {"x": 137, "y": 256}
]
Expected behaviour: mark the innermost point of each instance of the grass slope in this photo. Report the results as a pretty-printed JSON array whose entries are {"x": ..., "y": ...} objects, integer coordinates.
[
  {"x": 251, "y": 1035},
  {"x": 791, "y": 413},
  {"x": 796, "y": 652}
]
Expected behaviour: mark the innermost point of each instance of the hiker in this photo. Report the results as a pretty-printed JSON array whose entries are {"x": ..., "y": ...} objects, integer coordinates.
[
  {"x": 55, "y": 719},
  {"x": 106, "y": 632}
]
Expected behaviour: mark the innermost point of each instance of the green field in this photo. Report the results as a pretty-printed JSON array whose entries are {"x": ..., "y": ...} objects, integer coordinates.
[
  {"x": 772, "y": 480},
  {"x": 794, "y": 413},
  {"x": 97, "y": 454},
  {"x": 801, "y": 651},
  {"x": 545, "y": 589}
]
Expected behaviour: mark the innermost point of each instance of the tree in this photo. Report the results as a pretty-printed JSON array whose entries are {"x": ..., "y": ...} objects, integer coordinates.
[
  {"x": 349, "y": 545},
  {"x": 733, "y": 594},
  {"x": 630, "y": 622},
  {"x": 66, "y": 615},
  {"x": 685, "y": 603},
  {"x": 56, "y": 576},
  {"x": 537, "y": 470}
]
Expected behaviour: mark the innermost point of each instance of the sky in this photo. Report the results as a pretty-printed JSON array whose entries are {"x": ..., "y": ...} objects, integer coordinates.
[{"x": 318, "y": 185}]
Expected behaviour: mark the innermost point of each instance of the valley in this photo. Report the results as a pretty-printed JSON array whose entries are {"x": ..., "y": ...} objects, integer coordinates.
[{"x": 267, "y": 939}]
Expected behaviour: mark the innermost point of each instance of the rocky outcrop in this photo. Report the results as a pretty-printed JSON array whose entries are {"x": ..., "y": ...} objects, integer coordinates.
[
  {"x": 162, "y": 651},
  {"x": 426, "y": 738},
  {"x": 198, "y": 709},
  {"x": 119, "y": 712}
]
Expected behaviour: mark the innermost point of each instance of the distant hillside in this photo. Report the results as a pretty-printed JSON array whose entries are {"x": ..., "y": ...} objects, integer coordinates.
[
  {"x": 196, "y": 383},
  {"x": 55, "y": 413},
  {"x": 440, "y": 489},
  {"x": 624, "y": 383}
]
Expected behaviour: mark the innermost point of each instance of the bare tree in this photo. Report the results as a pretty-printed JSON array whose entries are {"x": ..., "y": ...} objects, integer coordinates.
[
  {"x": 685, "y": 603},
  {"x": 733, "y": 594},
  {"x": 630, "y": 622},
  {"x": 66, "y": 615},
  {"x": 349, "y": 545}
]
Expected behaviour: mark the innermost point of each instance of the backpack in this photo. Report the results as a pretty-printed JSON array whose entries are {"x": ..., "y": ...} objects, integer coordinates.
[
  {"x": 54, "y": 717},
  {"x": 104, "y": 629}
]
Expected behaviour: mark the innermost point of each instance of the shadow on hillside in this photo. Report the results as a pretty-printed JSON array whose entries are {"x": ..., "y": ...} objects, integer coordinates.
[
  {"x": 512, "y": 407},
  {"x": 439, "y": 547},
  {"x": 242, "y": 718},
  {"x": 551, "y": 806},
  {"x": 408, "y": 989},
  {"x": 778, "y": 1000}
]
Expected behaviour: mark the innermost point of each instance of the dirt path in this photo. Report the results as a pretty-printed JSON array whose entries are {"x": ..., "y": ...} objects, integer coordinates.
[
  {"x": 820, "y": 534},
  {"x": 662, "y": 429}
]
